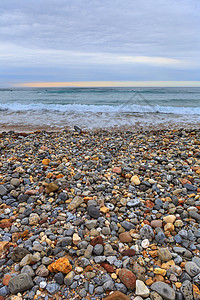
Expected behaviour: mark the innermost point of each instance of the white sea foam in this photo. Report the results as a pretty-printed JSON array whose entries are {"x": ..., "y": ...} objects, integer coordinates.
[{"x": 80, "y": 108}]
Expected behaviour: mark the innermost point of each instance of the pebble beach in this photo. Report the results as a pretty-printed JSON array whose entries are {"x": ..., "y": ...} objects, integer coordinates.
[{"x": 105, "y": 214}]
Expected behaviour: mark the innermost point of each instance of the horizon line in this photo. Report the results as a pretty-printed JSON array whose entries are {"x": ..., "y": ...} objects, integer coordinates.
[{"x": 111, "y": 84}]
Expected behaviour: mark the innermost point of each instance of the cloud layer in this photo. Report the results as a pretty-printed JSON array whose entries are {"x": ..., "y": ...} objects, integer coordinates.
[{"x": 122, "y": 40}]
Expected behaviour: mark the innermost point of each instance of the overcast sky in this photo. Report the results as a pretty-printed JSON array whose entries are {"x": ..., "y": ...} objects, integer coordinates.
[{"x": 99, "y": 40}]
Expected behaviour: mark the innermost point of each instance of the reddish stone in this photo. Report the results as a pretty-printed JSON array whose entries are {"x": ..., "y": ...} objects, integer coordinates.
[
  {"x": 5, "y": 225},
  {"x": 128, "y": 278},
  {"x": 24, "y": 233},
  {"x": 116, "y": 296},
  {"x": 107, "y": 267},
  {"x": 156, "y": 223},
  {"x": 2, "y": 298},
  {"x": 149, "y": 204},
  {"x": 184, "y": 181},
  {"x": 125, "y": 237},
  {"x": 43, "y": 220},
  {"x": 31, "y": 192},
  {"x": 128, "y": 252},
  {"x": 6, "y": 279},
  {"x": 54, "y": 221},
  {"x": 117, "y": 170},
  {"x": 97, "y": 240}
]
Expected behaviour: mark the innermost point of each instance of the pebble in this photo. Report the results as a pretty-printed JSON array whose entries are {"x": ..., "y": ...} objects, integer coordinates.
[
  {"x": 192, "y": 269},
  {"x": 164, "y": 290},
  {"x": 186, "y": 290},
  {"x": 52, "y": 288},
  {"x": 141, "y": 289},
  {"x": 93, "y": 211},
  {"x": 78, "y": 207},
  {"x": 128, "y": 278},
  {"x": 125, "y": 237},
  {"x": 146, "y": 232},
  {"x": 20, "y": 283}
]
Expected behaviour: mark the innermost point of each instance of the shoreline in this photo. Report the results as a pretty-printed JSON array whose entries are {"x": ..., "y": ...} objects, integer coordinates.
[
  {"x": 99, "y": 214},
  {"x": 136, "y": 128}
]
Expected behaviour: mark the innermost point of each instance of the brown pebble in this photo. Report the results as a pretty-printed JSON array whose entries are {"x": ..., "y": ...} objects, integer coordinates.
[
  {"x": 97, "y": 240},
  {"x": 128, "y": 278},
  {"x": 128, "y": 252},
  {"x": 125, "y": 237}
]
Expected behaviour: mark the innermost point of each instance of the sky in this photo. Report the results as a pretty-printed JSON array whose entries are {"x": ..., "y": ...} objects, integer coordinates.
[{"x": 98, "y": 41}]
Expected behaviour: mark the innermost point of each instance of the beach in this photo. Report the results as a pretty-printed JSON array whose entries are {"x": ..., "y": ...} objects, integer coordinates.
[{"x": 100, "y": 214}]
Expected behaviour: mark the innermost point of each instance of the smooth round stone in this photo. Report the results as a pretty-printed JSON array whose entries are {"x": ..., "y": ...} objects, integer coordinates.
[
  {"x": 164, "y": 290},
  {"x": 59, "y": 278},
  {"x": 145, "y": 243},
  {"x": 156, "y": 223},
  {"x": 141, "y": 289},
  {"x": 169, "y": 219},
  {"x": 125, "y": 237},
  {"x": 192, "y": 269},
  {"x": 98, "y": 249},
  {"x": 52, "y": 288},
  {"x": 93, "y": 211},
  {"x": 43, "y": 284},
  {"x": 135, "y": 179}
]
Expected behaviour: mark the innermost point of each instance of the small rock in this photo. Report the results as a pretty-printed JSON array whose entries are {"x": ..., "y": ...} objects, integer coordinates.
[
  {"x": 42, "y": 271},
  {"x": 135, "y": 179},
  {"x": 141, "y": 289},
  {"x": 76, "y": 239},
  {"x": 34, "y": 219},
  {"x": 156, "y": 223},
  {"x": 51, "y": 187},
  {"x": 186, "y": 290},
  {"x": 125, "y": 237},
  {"x": 4, "y": 249},
  {"x": 61, "y": 265},
  {"x": 146, "y": 232},
  {"x": 20, "y": 283},
  {"x": 164, "y": 254},
  {"x": 164, "y": 290},
  {"x": 52, "y": 288},
  {"x": 76, "y": 202},
  {"x": 93, "y": 211},
  {"x": 192, "y": 269},
  {"x": 169, "y": 219},
  {"x": 69, "y": 278},
  {"x": 98, "y": 249},
  {"x": 145, "y": 243},
  {"x": 128, "y": 278}
]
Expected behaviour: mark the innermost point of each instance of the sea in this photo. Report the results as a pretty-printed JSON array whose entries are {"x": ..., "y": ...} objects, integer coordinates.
[{"x": 93, "y": 108}]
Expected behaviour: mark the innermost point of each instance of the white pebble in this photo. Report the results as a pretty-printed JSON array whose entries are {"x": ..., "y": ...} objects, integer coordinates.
[
  {"x": 43, "y": 284},
  {"x": 145, "y": 243}
]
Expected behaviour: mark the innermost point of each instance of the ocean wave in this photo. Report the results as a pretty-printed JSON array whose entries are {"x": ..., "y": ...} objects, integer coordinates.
[{"x": 81, "y": 108}]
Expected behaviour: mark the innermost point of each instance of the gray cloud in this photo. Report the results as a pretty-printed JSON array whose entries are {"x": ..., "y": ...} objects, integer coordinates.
[{"x": 92, "y": 32}]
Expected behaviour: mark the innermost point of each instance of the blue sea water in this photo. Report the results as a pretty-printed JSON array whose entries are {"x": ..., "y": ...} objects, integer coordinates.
[{"x": 89, "y": 108}]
